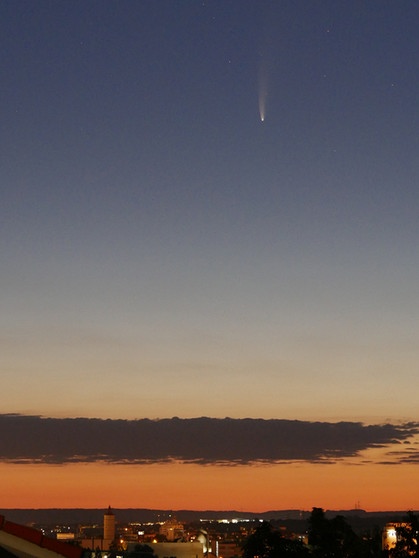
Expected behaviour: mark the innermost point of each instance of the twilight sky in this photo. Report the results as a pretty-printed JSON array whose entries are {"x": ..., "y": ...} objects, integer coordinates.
[{"x": 164, "y": 252}]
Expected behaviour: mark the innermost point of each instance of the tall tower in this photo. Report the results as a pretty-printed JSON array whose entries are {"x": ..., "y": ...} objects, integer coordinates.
[{"x": 108, "y": 528}]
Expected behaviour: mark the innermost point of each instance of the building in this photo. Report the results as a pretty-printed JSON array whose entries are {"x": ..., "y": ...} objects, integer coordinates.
[
  {"x": 96, "y": 542},
  {"x": 226, "y": 549},
  {"x": 172, "y": 530},
  {"x": 109, "y": 530},
  {"x": 397, "y": 532},
  {"x": 178, "y": 550}
]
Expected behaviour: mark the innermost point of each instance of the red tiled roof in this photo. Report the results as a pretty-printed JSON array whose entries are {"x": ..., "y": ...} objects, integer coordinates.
[
  {"x": 36, "y": 537},
  {"x": 65, "y": 549},
  {"x": 23, "y": 532}
]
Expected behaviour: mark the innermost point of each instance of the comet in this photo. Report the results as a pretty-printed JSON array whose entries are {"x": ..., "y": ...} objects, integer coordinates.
[{"x": 262, "y": 90}]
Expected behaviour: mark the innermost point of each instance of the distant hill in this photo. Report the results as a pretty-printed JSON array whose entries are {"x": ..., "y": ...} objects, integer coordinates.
[
  {"x": 142, "y": 515},
  {"x": 74, "y": 516}
]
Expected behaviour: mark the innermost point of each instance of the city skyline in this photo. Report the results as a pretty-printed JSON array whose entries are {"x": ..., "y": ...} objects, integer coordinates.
[{"x": 209, "y": 216}]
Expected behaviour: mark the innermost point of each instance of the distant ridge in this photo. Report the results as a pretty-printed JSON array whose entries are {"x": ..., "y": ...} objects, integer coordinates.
[
  {"x": 94, "y": 516},
  {"x": 123, "y": 515}
]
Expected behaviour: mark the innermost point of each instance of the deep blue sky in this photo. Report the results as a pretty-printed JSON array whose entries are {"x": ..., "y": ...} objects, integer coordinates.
[{"x": 167, "y": 252}]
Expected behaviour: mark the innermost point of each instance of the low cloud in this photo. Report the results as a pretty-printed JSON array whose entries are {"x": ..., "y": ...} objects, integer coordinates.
[
  {"x": 405, "y": 455},
  {"x": 206, "y": 441}
]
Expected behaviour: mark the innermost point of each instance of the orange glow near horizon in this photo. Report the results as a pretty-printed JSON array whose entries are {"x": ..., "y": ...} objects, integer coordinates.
[{"x": 178, "y": 486}]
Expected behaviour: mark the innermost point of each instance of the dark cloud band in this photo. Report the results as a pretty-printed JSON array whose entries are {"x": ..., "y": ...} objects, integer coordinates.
[{"x": 202, "y": 440}]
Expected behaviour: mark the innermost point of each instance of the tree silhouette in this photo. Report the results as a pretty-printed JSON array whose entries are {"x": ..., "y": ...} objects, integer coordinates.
[
  {"x": 266, "y": 542},
  {"x": 333, "y": 538},
  {"x": 142, "y": 551}
]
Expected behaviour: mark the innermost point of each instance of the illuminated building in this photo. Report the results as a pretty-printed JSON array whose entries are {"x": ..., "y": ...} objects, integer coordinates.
[
  {"x": 172, "y": 530},
  {"x": 108, "y": 528},
  {"x": 178, "y": 550},
  {"x": 391, "y": 535}
]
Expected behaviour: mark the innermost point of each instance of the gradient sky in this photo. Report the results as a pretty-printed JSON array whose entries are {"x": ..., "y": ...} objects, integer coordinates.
[{"x": 165, "y": 253}]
